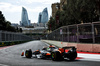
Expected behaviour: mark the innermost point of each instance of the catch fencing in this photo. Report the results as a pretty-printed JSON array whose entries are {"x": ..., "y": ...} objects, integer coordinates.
[
  {"x": 11, "y": 36},
  {"x": 80, "y": 33}
]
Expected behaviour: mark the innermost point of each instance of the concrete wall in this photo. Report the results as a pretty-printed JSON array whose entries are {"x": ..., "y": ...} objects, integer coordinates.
[{"x": 80, "y": 46}]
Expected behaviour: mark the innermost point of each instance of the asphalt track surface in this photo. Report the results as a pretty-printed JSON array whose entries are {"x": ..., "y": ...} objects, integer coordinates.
[{"x": 11, "y": 56}]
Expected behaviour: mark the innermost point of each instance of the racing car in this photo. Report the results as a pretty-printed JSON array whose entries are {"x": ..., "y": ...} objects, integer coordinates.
[{"x": 52, "y": 52}]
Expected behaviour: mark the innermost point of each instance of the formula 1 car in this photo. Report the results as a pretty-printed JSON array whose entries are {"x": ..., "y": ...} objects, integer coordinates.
[{"x": 53, "y": 53}]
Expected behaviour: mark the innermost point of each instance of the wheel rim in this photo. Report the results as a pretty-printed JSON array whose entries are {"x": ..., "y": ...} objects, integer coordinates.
[
  {"x": 26, "y": 54},
  {"x": 53, "y": 55}
]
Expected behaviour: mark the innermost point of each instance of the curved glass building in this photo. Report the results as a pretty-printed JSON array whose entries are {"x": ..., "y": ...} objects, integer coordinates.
[
  {"x": 24, "y": 18},
  {"x": 39, "y": 18},
  {"x": 43, "y": 16}
]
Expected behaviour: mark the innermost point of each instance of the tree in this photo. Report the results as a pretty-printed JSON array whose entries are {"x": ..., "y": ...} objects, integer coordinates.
[
  {"x": 5, "y": 25},
  {"x": 51, "y": 24},
  {"x": 2, "y": 21},
  {"x": 21, "y": 30},
  {"x": 76, "y": 12}
]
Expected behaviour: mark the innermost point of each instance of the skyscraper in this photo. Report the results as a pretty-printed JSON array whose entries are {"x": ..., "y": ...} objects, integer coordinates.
[
  {"x": 43, "y": 16},
  {"x": 24, "y": 18},
  {"x": 39, "y": 18}
]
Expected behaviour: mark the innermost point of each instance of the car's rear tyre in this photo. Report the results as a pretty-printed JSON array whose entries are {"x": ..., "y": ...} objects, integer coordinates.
[
  {"x": 56, "y": 56},
  {"x": 28, "y": 53},
  {"x": 72, "y": 56}
]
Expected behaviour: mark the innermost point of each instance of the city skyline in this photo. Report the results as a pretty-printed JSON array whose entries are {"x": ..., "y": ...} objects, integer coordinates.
[{"x": 12, "y": 9}]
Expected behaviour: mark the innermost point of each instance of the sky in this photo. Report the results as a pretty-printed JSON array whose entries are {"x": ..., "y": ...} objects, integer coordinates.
[{"x": 12, "y": 9}]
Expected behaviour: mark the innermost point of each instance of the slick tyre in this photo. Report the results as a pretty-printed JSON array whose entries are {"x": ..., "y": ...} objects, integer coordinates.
[
  {"x": 72, "y": 56},
  {"x": 28, "y": 53}
]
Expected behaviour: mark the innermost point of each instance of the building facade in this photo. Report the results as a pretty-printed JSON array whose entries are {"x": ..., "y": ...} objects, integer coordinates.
[
  {"x": 36, "y": 30},
  {"x": 43, "y": 16},
  {"x": 39, "y": 18},
  {"x": 57, "y": 6},
  {"x": 24, "y": 18},
  {"x": 15, "y": 25}
]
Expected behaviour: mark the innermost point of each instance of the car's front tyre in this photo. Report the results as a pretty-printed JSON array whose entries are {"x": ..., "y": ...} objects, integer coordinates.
[{"x": 28, "y": 53}]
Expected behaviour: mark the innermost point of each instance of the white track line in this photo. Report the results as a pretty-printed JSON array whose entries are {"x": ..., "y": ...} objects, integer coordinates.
[{"x": 89, "y": 57}]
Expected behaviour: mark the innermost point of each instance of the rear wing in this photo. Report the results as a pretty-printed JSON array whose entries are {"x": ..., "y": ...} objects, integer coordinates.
[{"x": 67, "y": 48}]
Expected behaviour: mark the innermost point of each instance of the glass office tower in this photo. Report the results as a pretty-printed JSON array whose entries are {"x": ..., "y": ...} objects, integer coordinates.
[
  {"x": 43, "y": 16},
  {"x": 39, "y": 17},
  {"x": 24, "y": 18}
]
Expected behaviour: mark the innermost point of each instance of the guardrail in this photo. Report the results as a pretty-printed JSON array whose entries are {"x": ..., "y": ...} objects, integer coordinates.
[
  {"x": 80, "y": 33},
  {"x": 11, "y": 36}
]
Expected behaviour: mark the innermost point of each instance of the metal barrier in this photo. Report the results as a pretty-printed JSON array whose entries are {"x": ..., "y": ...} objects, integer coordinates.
[
  {"x": 11, "y": 36},
  {"x": 83, "y": 33}
]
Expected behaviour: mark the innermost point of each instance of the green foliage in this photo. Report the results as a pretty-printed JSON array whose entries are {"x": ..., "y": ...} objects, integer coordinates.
[
  {"x": 18, "y": 29},
  {"x": 75, "y": 12},
  {"x": 51, "y": 24},
  {"x": 81, "y": 10},
  {"x": 6, "y": 25},
  {"x": 11, "y": 43}
]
